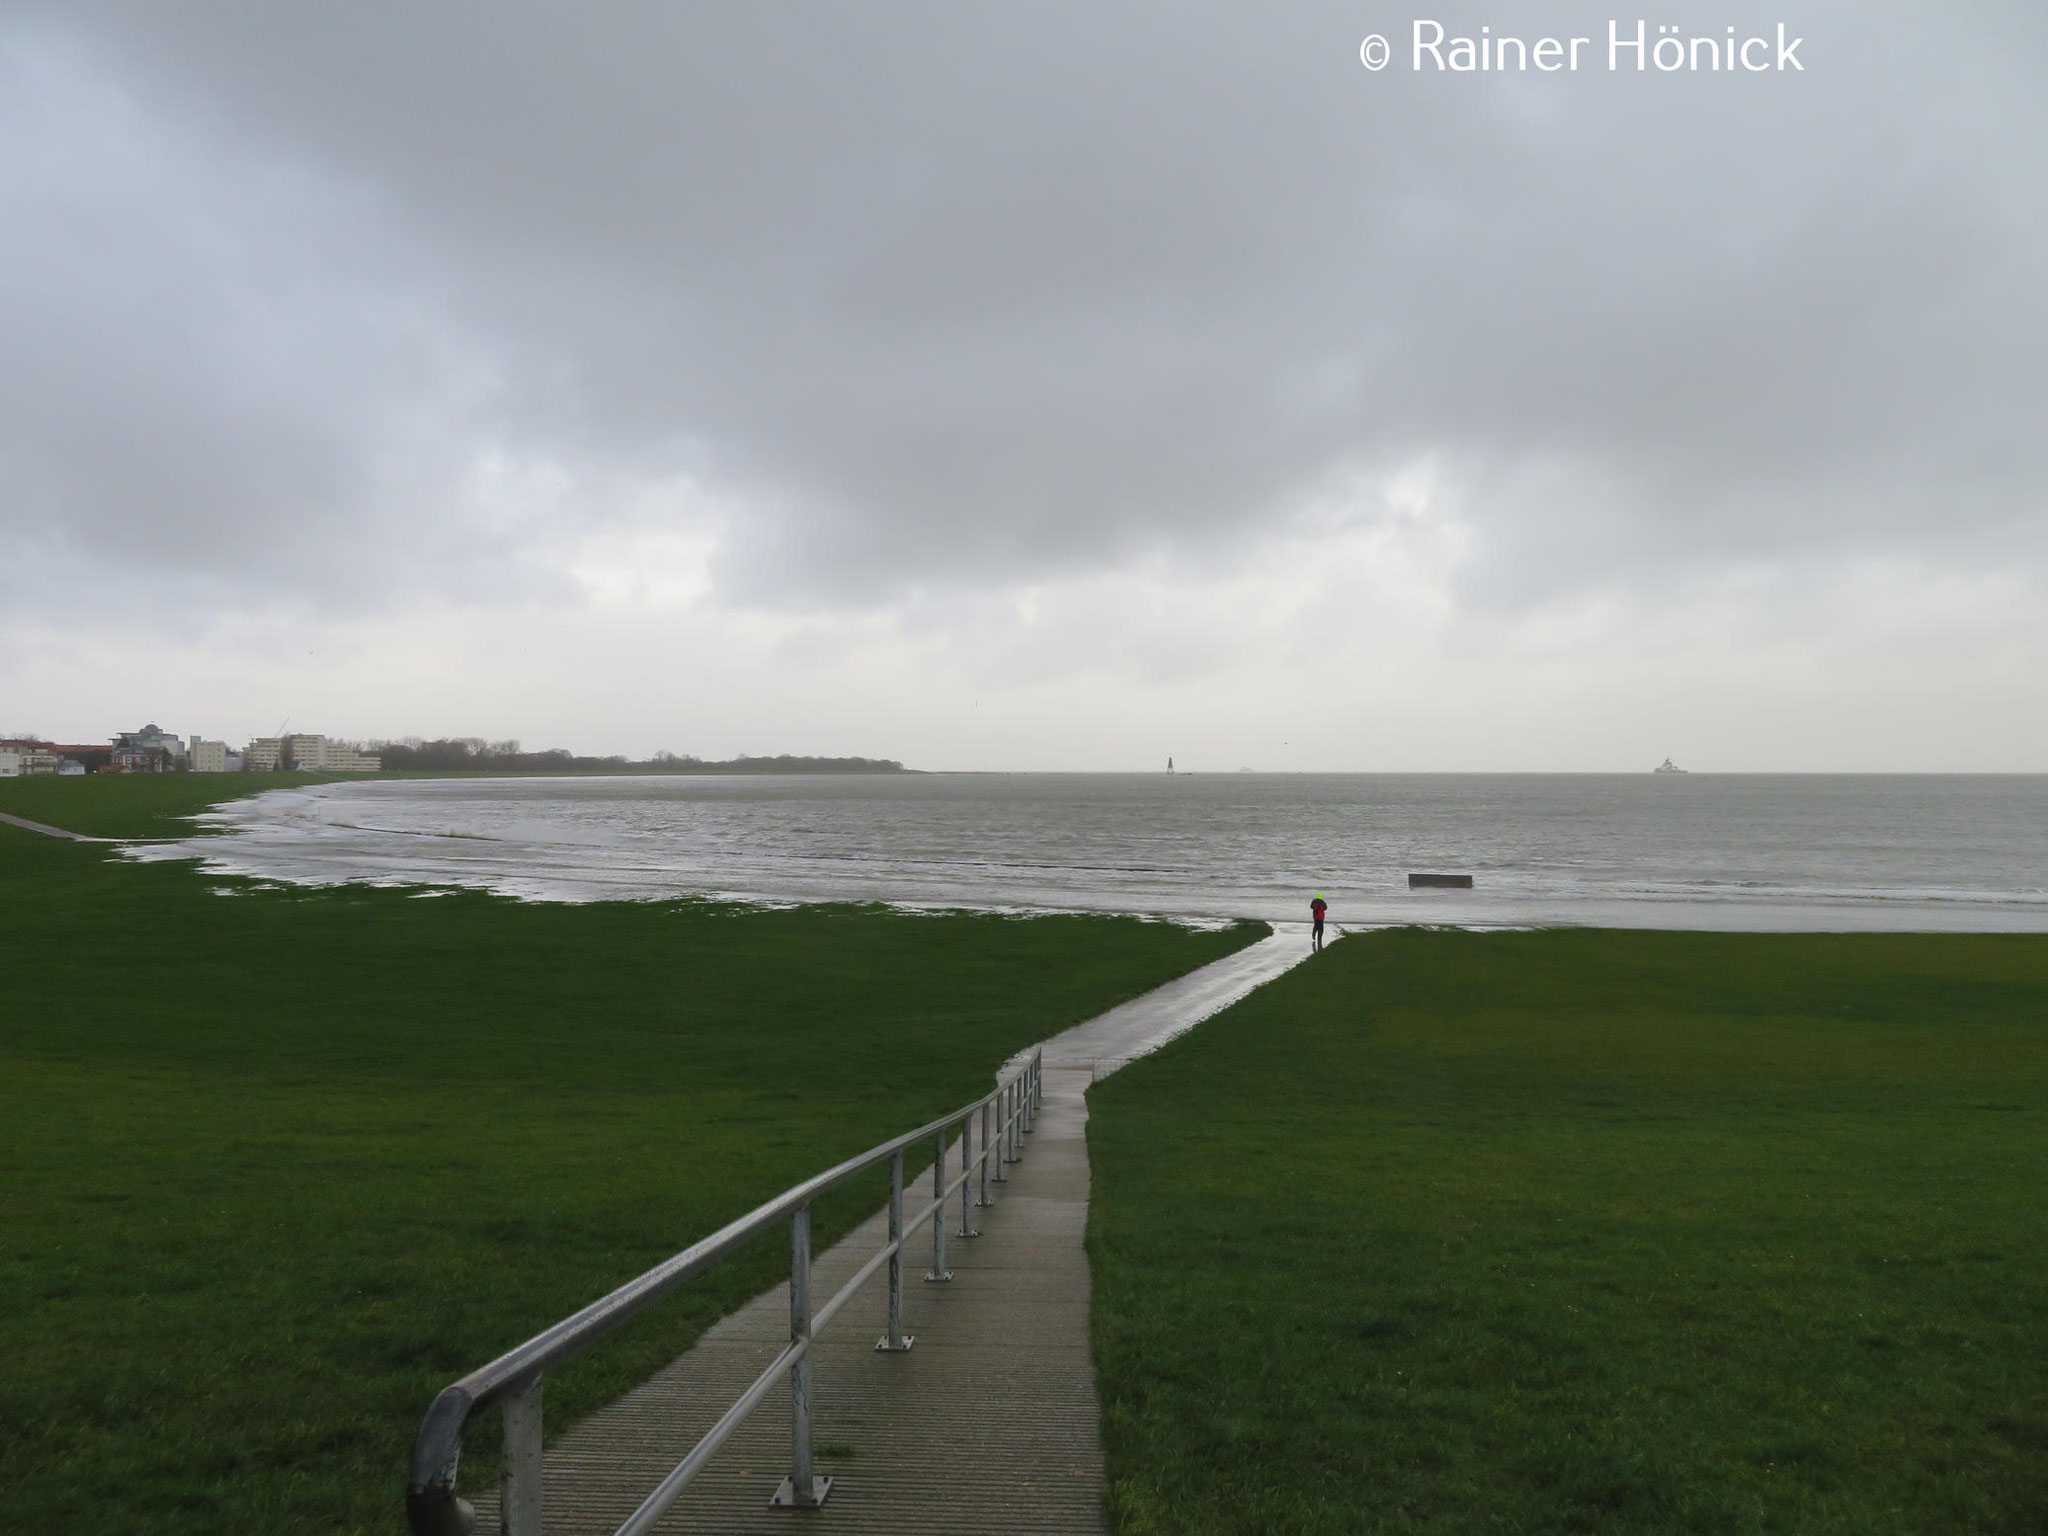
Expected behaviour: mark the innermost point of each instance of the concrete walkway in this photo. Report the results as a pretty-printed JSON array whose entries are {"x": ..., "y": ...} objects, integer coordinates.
[
  {"x": 49, "y": 831},
  {"x": 989, "y": 1424}
]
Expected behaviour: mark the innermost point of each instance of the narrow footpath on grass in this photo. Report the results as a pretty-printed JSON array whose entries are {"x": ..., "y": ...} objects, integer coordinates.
[
  {"x": 990, "y": 1422},
  {"x": 48, "y": 831}
]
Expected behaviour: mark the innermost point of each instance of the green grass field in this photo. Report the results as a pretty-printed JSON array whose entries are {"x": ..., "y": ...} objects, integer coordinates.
[
  {"x": 1586, "y": 1232},
  {"x": 277, "y": 1165},
  {"x": 137, "y": 805}
]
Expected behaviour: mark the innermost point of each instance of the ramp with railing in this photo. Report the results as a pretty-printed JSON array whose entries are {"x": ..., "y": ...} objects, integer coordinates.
[{"x": 991, "y": 1132}]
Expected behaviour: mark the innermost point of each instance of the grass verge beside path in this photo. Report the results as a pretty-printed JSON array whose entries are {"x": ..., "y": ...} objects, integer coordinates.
[
  {"x": 1586, "y": 1231},
  {"x": 276, "y": 1165},
  {"x": 135, "y": 805}
]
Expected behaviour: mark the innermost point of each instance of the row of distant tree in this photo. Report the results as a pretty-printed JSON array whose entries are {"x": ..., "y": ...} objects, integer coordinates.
[{"x": 472, "y": 754}]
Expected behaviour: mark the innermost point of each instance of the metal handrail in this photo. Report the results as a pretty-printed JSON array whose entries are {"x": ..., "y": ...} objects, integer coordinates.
[{"x": 514, "y": 1379}]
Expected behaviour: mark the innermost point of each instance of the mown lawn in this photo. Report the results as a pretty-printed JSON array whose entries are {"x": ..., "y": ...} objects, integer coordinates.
[
  {"x": 276, "y": 1165},
  {"x": 1586, "y": 1232},
  {"x": 137, "y": 805}
]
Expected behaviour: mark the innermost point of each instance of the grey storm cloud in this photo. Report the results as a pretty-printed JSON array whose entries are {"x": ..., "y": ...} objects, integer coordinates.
[{"x": 957, "y": 294}]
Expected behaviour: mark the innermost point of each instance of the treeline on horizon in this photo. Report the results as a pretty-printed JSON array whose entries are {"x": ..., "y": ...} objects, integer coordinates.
[{"x": 470, "y": 754}]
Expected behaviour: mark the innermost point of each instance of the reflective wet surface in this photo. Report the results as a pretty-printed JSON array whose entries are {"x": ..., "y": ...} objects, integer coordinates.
[{"x": 1705, "y": 851}]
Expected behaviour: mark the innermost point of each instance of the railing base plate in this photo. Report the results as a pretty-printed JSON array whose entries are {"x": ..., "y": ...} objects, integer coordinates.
[
  {"x": 887, "y": 1348},
  {"x": 933, "y": 1277},
  {"x": 785, "y": 1494}
]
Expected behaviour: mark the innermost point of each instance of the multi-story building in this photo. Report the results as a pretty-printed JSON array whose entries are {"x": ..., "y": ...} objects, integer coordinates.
[
  {"x": 339, "y": 757},
  {"x": 31, "y": 758},
  {"x": 209, "y": 756},
  {"x": 307, "y": 753},
  {"x": 149, "y": 750}
]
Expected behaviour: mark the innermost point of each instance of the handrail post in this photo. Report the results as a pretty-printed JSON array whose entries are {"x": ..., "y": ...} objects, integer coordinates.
[
  {"x": 1013, "y": 1139},
  {"x": 984, "y": 1200},
  {"x": 967, "y": 1227},
  {"x": 895, "y": 1338},
  {"x": 802, "y": 1489},
  {"x": 519, "y": 1487},
  {"x": 1030, "y": 1100},
  {"x": 1002, "y": 1101},
  {"x": 938, "y": 1274}
]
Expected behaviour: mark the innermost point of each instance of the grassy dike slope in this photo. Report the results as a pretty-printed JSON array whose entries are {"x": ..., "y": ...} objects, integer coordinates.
[
  {"x": 277, "y": 1165},
  {"x": 135, "y": 805},
  {"x": 1586, "y": 1231}
]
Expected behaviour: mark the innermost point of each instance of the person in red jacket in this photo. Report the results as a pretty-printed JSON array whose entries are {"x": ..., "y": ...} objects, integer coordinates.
[{"x": 1316, "y": 909}]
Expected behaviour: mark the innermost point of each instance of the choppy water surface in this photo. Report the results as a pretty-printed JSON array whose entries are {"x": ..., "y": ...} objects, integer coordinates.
[{"x": 1697, "y": 851}]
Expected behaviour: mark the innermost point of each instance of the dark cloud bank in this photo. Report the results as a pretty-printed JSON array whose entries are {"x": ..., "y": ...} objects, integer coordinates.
[{"x": 945, "y": 295}]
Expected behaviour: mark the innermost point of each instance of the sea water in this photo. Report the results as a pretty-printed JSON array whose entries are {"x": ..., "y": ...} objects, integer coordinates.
[{"x": 1785, "y": 852}]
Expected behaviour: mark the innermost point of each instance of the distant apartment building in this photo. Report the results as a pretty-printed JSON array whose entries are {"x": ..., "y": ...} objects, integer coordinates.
[
  {"x": 10, "y": 765},
  {"x": 307, "y": 753},
  {"x": 31, "y": 759},
  {"x": 345, "y": 759},
  {"x": 209, "y": 756},
  {"x": 316, "y": 754}
]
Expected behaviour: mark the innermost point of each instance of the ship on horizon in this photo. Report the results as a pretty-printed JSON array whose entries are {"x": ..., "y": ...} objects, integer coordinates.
[{"x": 1667, "y": 766}]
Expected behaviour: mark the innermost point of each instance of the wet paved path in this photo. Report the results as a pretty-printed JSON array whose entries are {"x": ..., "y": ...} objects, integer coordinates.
[
  {"x": 49, "y": 831},
  {"x": 989, "y": 1424}
]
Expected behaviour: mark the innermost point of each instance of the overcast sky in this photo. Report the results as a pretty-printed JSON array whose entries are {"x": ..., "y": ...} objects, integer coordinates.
[{"x": 1028, "y": 385}]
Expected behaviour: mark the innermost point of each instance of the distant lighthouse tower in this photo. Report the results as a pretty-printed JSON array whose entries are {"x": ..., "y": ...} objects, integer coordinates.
[{"x": 1169, "y": 765}]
